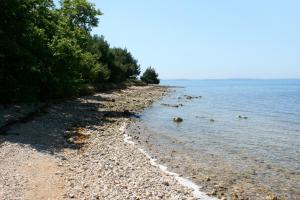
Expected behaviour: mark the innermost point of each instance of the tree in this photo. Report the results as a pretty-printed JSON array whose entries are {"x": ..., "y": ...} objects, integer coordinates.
[
  {"x": 48, "y": 52},
  {"x": 25, "y": 27},
  {"x": 100, "y": 47},
  {"x": 150, "y": 76},
  {"x": 72, "y": 65},
  {"x": 43, "y": 50},
  {"x": 81, "y": 13},
  {"x": 117, "y": 64},
  {"x": 124, "y": 65}
]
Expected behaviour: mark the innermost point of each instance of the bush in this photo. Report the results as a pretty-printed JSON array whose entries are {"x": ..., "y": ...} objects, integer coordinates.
[{"x": 150, "y": 76}]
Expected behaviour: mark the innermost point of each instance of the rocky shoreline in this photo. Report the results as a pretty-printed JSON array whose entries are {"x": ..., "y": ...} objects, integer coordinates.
[
  {"x": 75, "y": 150},
  {"x": 179, "y": 155}
]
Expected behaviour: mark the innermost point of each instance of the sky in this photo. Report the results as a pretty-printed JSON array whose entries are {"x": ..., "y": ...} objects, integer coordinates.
[{"x": 207, "y": 39}]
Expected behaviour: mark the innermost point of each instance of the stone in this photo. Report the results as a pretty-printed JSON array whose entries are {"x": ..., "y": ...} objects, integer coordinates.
[
  {"x": 177, "y": 119},
  {"x": 242, "y": 117},
  {"x": 272, "y": 197},
  {"x": 169, "y": 105},
  {"x": 213, "y": 192},
  {"x": 192, "y": 97},
  {"x": 188, "y": 97},
  {"x": 166, "y": 183},
  {"x": 71, "y": 195},
  {"x": 71, "y": 140}
]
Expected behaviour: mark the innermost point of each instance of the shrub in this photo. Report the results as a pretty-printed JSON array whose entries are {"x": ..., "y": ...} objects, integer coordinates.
[{"x": 150, "y": 76}]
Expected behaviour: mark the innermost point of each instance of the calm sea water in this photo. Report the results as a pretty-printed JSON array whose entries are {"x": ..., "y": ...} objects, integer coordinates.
[{"x": 264, "y": 149}]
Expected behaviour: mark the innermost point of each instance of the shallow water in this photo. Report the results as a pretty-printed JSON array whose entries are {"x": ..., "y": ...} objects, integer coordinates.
[{"x": 229, "y": 156}]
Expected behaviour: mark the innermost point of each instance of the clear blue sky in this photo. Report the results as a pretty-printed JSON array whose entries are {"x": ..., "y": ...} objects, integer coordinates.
[{"x": 207, "y": 38}]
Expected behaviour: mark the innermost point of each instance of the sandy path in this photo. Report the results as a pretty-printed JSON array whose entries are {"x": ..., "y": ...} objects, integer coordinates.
[
  {"x": 29, "y": 174},
  {"x": 45, "y": 180}
]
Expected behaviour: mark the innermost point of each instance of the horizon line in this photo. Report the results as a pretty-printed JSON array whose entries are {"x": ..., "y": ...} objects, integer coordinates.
[{"x": 190, "y": 79}]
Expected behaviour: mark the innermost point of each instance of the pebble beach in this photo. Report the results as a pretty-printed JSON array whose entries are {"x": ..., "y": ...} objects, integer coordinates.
[{"x": 77, "y": 149}]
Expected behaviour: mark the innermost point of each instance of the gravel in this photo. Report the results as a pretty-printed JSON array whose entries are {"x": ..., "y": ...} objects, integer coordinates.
[{"x": 75, "y": 150}]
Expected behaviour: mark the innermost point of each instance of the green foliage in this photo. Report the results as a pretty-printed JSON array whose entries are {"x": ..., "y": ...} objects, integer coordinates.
[
  {"x": 25, "y": 28},
  {"x": 80, "y": 13},
  {"x": 124, "y": 66},
  {"x": 100, "y": 47},
  {"x": 150, "y": 76},
  {"x": 48, "y": 52},
  {"x": 118, "y": 64}
]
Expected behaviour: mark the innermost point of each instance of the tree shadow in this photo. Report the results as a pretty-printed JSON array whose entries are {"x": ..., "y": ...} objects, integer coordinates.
[{"x": 49, "y": 128}]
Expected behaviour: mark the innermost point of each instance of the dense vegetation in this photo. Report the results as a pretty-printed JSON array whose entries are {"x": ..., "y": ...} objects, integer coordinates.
[
  {"x": 49, "y": 52},
  {"x": 150, "y": 76}
]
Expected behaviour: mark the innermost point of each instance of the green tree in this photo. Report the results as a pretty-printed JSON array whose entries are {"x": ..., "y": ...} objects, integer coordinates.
[
  {"x": 100, "y": 47},
  {"x": 25, "y": 27},
  {"x": 117, "y": 64},
  {"x": 124, "y": 65},
  {"x": 150, "y": 76},
  {"x": 81, "y": 13},
  {"x": 48, "y": 52}
]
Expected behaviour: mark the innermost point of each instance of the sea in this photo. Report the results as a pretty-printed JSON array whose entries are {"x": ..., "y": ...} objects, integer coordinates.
[{"x": 239, "y": 138}]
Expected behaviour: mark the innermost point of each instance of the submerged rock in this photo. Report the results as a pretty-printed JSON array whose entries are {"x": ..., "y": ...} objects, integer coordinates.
[
  {"x": 192, "y": 97},
  {"x": 171, "y": 105},
  {"x": 211, "y": 120},
  {"x": 177, "y": 119},
  {"x": 242, "y": 117}
]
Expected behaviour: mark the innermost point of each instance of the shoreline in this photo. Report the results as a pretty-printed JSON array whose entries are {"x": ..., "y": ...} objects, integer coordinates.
[
  {"x": 168, "y": 148},
  {"x": 77, "y": 145},
  {"x": 181, "y": 180}
]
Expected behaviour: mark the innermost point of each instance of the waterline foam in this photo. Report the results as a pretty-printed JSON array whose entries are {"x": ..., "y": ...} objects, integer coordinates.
[{"x": 182, "y": 181}]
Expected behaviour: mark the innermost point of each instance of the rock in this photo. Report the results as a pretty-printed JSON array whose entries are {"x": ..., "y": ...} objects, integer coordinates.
[
  {"x": 188, "y": 97},
  {"x": 192, "y": 97},
  {"x": 272, "y": 197},
  {"x": 171, "y": 105},
  {"x": 211, "y": 120},
  {"x": 234, "y": 195},
  {"x": 177, "y": 119},
  {"x": 166, "y": 183},
  {"x": 96, "y": 196},
  {"x": 71, "y": 140},
  {"x": 136, "y": 137},
  {"x": 71, "y": 195},
  {"x": 213, "y": 192},
  {"x": 242, "y": 117}
]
